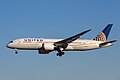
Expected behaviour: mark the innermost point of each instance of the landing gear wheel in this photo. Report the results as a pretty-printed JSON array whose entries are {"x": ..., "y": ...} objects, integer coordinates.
[
  {"x": 16, "y": 52},
  {"x": 60, "y": 54}
]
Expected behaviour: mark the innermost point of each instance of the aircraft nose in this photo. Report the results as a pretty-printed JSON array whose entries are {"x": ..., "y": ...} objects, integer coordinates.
[{"x": 8, "y": 46}]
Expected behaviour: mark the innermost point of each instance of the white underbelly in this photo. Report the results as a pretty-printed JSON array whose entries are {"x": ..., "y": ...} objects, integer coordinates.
[{"x": 81, "y": 47}]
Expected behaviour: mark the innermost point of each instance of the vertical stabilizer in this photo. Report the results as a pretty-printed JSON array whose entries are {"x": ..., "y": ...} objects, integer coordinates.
[{"x": 102, "y": 36}]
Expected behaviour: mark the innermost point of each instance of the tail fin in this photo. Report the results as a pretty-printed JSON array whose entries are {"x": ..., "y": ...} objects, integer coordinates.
[{"x": 102, "y": 36}]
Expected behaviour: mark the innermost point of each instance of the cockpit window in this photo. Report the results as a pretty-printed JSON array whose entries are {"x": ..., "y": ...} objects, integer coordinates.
[{"x": 11, "y": 42}]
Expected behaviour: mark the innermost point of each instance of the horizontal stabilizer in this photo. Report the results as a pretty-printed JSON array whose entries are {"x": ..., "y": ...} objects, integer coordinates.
[{"x": 105, "y": 43}]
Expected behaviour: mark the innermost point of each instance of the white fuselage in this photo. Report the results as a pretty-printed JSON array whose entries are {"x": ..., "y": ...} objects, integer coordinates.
[
  {"x": 36, "y": 44},
  {"x": 73, "y": 43}
]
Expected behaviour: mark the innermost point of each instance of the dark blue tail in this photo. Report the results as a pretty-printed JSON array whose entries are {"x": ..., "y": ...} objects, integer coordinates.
[{"x": 102, "y": 36}]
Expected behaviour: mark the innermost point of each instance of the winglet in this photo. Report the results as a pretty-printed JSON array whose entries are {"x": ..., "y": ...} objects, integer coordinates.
[{"x": 102, "y": 36}]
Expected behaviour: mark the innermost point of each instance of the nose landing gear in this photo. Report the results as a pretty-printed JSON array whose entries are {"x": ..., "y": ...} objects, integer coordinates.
[{"x": 16, "y": 52}]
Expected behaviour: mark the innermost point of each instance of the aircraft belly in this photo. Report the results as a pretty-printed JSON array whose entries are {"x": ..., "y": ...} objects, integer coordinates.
[{"x": 81, "y": 47}]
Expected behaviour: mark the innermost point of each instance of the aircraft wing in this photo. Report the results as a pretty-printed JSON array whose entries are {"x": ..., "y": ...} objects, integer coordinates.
[{"x": 64, "y": 43}]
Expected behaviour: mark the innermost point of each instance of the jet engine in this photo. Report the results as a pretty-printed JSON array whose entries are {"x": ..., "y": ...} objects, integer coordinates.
[{"x": 46, "y": 48}]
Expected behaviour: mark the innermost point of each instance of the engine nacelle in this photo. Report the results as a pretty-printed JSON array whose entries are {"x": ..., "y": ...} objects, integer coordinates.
[{"x": 46, "y": 48}]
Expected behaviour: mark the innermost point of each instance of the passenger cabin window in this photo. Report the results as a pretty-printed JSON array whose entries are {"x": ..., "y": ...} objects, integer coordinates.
[
  {"x": 29, "y": 39},
  {"x": 37, "y": 39},
  {"x": 41, "y": 40},
  {"x": 25, "y": 39},
  {"x": 34, "y": 39}
]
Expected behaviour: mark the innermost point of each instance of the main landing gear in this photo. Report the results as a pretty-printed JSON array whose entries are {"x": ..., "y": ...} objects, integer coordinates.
[{"x": 60, "y": 52}]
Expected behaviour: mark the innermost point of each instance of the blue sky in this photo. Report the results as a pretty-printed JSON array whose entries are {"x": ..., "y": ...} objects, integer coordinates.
[{"x": 59, "y": 19}]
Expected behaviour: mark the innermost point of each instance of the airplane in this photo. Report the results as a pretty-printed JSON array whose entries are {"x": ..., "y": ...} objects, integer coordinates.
[{"x": 45, "y": 46}]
